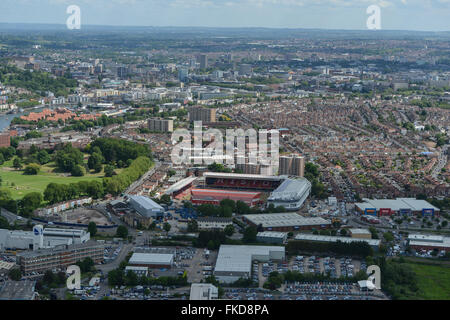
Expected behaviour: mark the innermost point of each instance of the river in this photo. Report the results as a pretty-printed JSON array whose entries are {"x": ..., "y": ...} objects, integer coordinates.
[{"x": 5, "y": 119}]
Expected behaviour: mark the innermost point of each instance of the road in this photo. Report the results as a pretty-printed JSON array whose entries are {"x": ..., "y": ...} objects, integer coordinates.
[{"x": 137, "y": 183}]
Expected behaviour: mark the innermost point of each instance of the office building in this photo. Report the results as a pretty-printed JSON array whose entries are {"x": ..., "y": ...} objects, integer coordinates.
[
  {"x": 59, "y": 257},
  {"x": 213, "y": 223},
  {"x": 183, "y": 74},
  {"x": 203, "y": 60},
  {"x": 203, "y": 291}
]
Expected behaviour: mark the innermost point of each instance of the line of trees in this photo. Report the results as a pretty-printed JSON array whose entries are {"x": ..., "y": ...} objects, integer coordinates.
[{"x": 359, "y": 249}]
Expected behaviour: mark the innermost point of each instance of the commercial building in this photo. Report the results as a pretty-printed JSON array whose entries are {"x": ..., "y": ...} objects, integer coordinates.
[
  {"x": 59, "y": 257},
  {"x": 5, "y": 140},
  {"x": 203, "y": 291},
  {"x": 202, "y": 114},
  {"x": 360, "y": 233},
  {"x": 41, "y": 238},
  {"x": 146, "y": 206},
  {"x": 234, "y": 261},
  {"x": 203, "y": 61},
  {"x": 399, "y": 206},
  {"x": 213, "y": 223},
  {"x": 139, "y": 271},
  {"x": 428, "y": 242},
  {"x": 289, "y": 221},
  {"x": 18, "y": 290},
  {"x": 291, "y": 194},
  {"x": 292, "y": 166},
  {"x": 272, "y": 237},
  {"x": 214, "y": 196},
  {"x": 160, "y": 125},
  {"x": 374, "y": 243},
  {"x": 151, "y": 260}
]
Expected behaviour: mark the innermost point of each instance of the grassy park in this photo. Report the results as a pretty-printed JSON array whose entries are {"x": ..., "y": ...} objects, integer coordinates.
[
  {"x": 433, "y": 280},
  {"x": 24, "y": 184}
]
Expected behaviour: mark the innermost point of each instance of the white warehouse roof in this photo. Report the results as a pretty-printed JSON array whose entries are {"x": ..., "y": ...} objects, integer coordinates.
[
  {"x": 311, "y": 237},
  {"x": 151, "y": 258},
  {"x": 288, "y": 219}
]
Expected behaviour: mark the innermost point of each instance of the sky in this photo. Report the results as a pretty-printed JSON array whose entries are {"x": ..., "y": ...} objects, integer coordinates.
[{"x": 424, "y": 15}]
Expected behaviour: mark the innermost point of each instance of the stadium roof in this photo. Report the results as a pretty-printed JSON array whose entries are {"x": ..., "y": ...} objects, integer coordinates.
[
  {"x": 241, "y": 176},
  {"x": 396, "y": 204},
  {"x": 311, "y": 237},
  {"x": 290, "y": 189},
  {"x": 151, "y": 258},
  {"x": 180, "y": 184},
  {"x": 235, "y": 258},
  {"x": 288, "y": 219}
]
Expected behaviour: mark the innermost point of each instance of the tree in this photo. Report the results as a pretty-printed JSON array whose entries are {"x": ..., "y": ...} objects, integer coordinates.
[
  {"x": 250, "y": 234},
  {"x": 229, "y": 230},
  {"x": 167, "y": 227},
  {"x": 95, "y": 162},
  {"x": 15, "y": 274},
  {"x": 43, "y": 157},
  {"x": 92, "y": 228},
  {"x": 122, "y": 232},
  {"x": 78, "y": 171},
  {"x": 343, "y": 232},
  {"x": 30, "y": 202},
  {"x": 32, "y": 169},
  {"x": 17, "y": 164},
  {"x": 109, "y": 170},
  {"x": 192, "y": 226}
]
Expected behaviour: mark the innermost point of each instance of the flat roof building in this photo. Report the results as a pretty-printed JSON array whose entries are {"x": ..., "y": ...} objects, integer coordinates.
[
  {"x": 397, "y": 206},
  {"x": 235, "y": 261},
  {"x": 291, "y": 194},
  {"x": 288, "y": 221},
  {"x": 374, "y": 243},
  {"x": 203, "y": 291},
  {"x": 18, "y": 290},
  {"x": 360, "y": 233},
  {"x": 272, "y": 237},
  {"x": 429, "y": 242},
  {"x": 151, "y": 260}
]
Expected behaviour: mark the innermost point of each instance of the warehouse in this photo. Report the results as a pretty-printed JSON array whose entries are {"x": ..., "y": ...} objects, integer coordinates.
[
  {"x": 429, "y": 242},
  {"x": 146, "y": 206},
  {"x": 203, "y": 291},
  {"x": 291, "y": 194},
  {"x": 374, "y": 243},
  {"x": 213, "y": 223},
  {"x": 360, "y": 233},
  {"x": 288, "y": 221},
  {"x": 18, "y": 290},
  {"x": 397, "y": 206},
  {"x": 151, "y": 260},
  {"x": 271, "y": 237},
  {"x": 214, "y": 196},
  {"x": 235, "y": 261}
]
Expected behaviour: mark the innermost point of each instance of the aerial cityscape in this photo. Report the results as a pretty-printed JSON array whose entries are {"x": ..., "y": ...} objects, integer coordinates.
[{"x": 224, "y": 162}]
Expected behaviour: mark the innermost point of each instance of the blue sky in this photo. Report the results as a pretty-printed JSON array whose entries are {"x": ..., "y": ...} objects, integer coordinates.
[{"x": 427, "y": 15}]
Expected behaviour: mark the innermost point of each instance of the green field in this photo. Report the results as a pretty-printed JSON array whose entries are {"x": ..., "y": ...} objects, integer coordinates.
[
  {"x": 25, "y": 184},
  {"x": 433, "y": 280}
]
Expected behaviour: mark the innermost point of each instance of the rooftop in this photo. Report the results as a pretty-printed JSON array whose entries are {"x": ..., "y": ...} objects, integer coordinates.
[
  {"x": 18, "y": 290},
  {"x": 311, "y": 237},
  {"x": 151, "y": 258},
  {"x": 396, "y": 204},
  {"x": 242, "y": 176},
  {"x": 290, "y": 189},
  {"x": 288, "y": 219}
]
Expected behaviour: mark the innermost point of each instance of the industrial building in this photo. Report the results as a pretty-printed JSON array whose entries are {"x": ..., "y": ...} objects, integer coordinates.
[
  {"x": 288, "y": 221},
  {"x": 203, "y": 291},
  {"x": 146, "y": 206},
  {"x": 160, "y": 125},
  {"x": 291, "y": 194},
  {"x": 429, "y": 242},
  {"x": 242, "y": 181},
  {"x": 234, "y": 261},
  {"x": 18, "y": 290},
  {"x": 139, "y": 271},
  {"x": 41, "y": 238},
  {"x": 360, "y": 233},
  {"x": 59, "y": 257},
  {"x": 151, "y": 260},
  {"x": 214, "y": 196},
  {"x": 271, "y": 237},
  {"x": 374, "y": 243},
  {"x": 213, "y": 223},
  {"x": 399, "y": 206}
]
